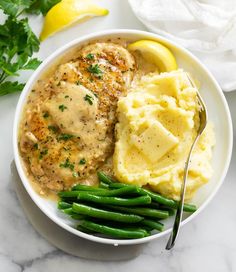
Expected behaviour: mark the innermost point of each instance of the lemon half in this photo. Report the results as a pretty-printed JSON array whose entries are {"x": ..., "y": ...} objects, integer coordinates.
[
  {"x": 156, "y": 53},
  {"x": 66, "y": 13}
]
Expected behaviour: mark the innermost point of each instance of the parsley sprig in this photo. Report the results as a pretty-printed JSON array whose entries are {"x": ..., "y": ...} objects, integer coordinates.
[{"x": 18, "y": 42}]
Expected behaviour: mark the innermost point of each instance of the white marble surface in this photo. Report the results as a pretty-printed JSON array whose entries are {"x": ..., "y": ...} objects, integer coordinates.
[{"x": 208, "y": 243}]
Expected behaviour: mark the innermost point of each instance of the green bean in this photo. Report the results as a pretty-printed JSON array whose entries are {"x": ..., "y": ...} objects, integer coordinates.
[
  {"x": 68, "y": 211},
  {"x": 141, "y": 200},
  {"x": 153, "y": 224},
  {"x": 189, "y": 208},
  {"x": 114, "y": 232},
  {"x": 171, "y": 211},
  {"x": 81, "y": 187},
  {"x": 104, "y": 178},
  {"x": 104, "y": 214},
  {"x": 63, "y": 205},
  {"x": 142, "y": 211},
  {"x": 103, "y": 185},
  {"x": 85, "y": 230},
  {"x": 117, "y": 185},
  {"x": 116, "y": 192},
  {"x": 157, "y": 198},
  {"x": 76, "y": 216},
  {"x": 68, "y": 194}
]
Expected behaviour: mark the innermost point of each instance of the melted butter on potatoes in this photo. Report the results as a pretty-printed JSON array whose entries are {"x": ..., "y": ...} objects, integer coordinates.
[{"x": 158, "y": 122}]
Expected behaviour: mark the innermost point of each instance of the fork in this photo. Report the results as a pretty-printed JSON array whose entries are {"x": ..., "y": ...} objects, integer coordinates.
[{"x": 203, "y": 116}]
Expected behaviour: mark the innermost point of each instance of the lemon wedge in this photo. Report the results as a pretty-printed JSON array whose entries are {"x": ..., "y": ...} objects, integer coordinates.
[
  {"x": 156, "y": 53},
  {"x": 68, "y": 12}
]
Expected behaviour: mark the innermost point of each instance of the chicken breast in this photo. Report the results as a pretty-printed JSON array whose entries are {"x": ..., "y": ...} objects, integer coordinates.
[{"x": 67, "y": 130}]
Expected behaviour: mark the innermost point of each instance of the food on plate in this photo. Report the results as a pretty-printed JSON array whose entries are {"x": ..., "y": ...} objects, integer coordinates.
[
  {"x": 67, "y": 131},
  {"x": 157, "y": 122},
  {"x": 69, "y": 12},
  {"x": 121, "y": 211},
  {"x": 109, "y": 135},
  {"x": 154, "y": 52}
]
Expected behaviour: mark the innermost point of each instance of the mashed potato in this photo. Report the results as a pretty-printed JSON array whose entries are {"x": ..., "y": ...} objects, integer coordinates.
[{"x": 158, "y": 122}]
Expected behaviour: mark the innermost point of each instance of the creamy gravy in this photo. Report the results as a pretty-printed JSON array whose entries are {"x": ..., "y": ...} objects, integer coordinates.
[{"x": 67, "y": 128}]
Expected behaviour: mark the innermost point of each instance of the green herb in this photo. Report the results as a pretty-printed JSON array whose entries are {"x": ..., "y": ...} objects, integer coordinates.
[
  {"x": 94, "y": 69},
  {"x": 89, "y": 99},
  {"x": 82, "y": 161},
  {"x": 67, "y": 164},
  {"x": 36, "y": 146},
  {"x": 66, "y": 96},
  {"x": 46, "y": 115},
  {"x": 90, "y": 56},
  {"x": 78, "y": 82},
  {"x": 18, "y": 42},
  {"x": 65, "y": 137},
  {"x": 43, "y": 153},
  {"x": 17, "y": 45},
  {"x": 62, "y": 107},
  {"x": 53, "y": 128},
  {"x": 41, "y": 6},
  {"x": 95, "y": 94}
]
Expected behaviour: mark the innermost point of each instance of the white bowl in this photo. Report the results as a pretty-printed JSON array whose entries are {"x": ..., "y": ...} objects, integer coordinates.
[{"x": 218, "y": 112}]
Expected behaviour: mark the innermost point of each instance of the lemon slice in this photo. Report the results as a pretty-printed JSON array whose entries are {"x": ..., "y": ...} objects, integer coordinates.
[
  {"x": 66, "y": 13},
  {"x": 156, "y": 53}
]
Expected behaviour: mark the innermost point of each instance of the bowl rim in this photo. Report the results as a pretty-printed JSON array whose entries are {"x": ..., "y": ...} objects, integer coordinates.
[{"x": 21, "y": 104}]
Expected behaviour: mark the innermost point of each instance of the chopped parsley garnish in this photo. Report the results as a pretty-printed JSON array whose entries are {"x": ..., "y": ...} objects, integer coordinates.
[
  {"x": 65, "y": 137},
  {"x": 89, "y": 99},
  {"x": 94, "y": 69},
  {"x": 46, "y": 115},
  {"x": 67, "y": 164},
  {"x": 62, "y": 107},
  {"x": 90, "y": 56},
  {"x": 95, "y": 94},
  {"x": 82, "y": 161},
  {"x": 36, "y": 146},
  {"x": 66, "y": 96},
  {"x": 43, "y": 153},
  {"x": 53, "y": 128},
  {"x": 78, "y": 82}
]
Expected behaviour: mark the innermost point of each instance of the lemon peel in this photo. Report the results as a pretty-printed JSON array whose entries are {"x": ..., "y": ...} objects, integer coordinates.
[
  {"x": 156, "y": 53},
  {"x": 68, "y": 12}
]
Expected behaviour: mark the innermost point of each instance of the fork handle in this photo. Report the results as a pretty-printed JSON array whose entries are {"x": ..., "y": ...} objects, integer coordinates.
[{"x": 179, "y": 212}]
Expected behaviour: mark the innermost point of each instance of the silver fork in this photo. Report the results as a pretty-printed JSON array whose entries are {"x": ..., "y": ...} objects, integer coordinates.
[{"x": 179, "y": 213}]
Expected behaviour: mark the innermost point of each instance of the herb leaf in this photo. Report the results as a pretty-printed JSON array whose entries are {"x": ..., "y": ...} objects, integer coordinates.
[
  {"x": 67, "y": 164},
  {"x": 8, "y": 87},
  {"x": 94, "y": 69},
  {"x": 65, "y": 137},
  {"x": 42, "y": 6},
  {"x": 46, "y": 115},
  {"x": 89, "y": 99},
  {"x": 14, "y": 7},
  {"x": 17, "y": 44},
  {"x": 53, "y": 128},
  {"x": 43, "y": 153},
  {"x": 82, "y": 161},
  {"x": 62, "y": 107},
  {"x": 32, "y": 64},
  {"x": 90, "y": 56}
]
